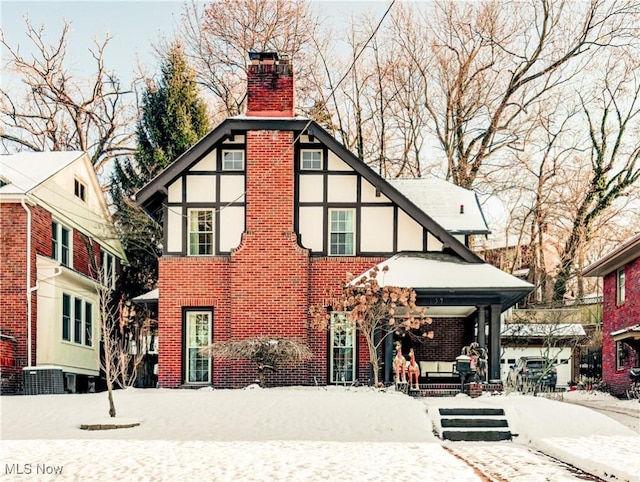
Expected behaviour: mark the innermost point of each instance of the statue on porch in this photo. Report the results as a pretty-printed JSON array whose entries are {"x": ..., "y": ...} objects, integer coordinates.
[
  {"x": 478, "y": 357},
  {"x": 400, "y": 366},
  {"x": 414, "y": 371}
]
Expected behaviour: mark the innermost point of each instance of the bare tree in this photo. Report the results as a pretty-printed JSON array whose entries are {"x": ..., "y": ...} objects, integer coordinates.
[
  {"x": 219, "y": 35},
  {"x": 52, "y": 110}
]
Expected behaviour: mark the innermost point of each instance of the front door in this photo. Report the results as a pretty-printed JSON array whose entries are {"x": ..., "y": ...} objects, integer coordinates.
[{"x": 198, "y": 334}]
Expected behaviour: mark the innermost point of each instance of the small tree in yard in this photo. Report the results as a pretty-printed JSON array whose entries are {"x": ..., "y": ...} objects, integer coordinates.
[
  {"x": 268, "y": 353},
  {"x": 376, "y": 312}
]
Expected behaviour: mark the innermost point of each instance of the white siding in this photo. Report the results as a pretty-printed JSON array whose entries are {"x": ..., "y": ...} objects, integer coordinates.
[
  {"x": 201, "y": 188},
  {"x": 342, "y": 189},
  {"x": 231, "y": 227},
  {"x": 231, "y": 189},
  {"x": 311, "y": 188},
  {"x": 376, "y": 226},
  {"x": 311, "y": 227},
  {"x": 409, "y": 233},
  {"x": 207, "y": 163},
  {"x": 368, "y": 193},
  {"x": 174, "y": 229}
]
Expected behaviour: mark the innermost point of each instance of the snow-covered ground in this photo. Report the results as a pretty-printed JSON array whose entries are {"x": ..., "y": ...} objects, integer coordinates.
[{"x": 304, "y": 433}]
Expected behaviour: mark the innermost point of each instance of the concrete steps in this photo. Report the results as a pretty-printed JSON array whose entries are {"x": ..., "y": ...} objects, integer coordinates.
[{"x": 474, "y": 424}]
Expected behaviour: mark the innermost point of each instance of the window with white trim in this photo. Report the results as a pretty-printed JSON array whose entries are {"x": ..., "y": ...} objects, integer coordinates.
[
  {"x": 342, "y": 232},
  {"x": 198, "y": 334},
  {"x": 310, "y": 160},
  {"x": 342, "y": 356},
  {"x": 200, "y": 232},
  {"x": 80, "y": 189},
  {"x": 622, "y": 354},
  {"x": 77, "y": 320},
  {"x": 108, "y": 271},
  {"x": 620, "y": 288},
  {"x": 61, "y": 243},
  {"x": 232, "y": 160}
]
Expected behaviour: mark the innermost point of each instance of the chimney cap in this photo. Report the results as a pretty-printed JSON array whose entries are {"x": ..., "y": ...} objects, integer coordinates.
[{"x": 263, "y": 56}]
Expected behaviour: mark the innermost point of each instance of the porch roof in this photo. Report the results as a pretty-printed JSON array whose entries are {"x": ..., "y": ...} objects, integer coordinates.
[
  {"x": 454, "y": 281},
  {"x": 628, "y": 333}
]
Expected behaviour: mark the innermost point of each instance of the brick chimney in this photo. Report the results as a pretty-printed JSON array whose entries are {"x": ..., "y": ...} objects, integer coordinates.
[{"x": 270, "y": 89}]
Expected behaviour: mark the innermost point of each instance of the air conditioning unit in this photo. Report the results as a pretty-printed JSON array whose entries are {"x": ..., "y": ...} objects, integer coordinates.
[{"x": 43, "y": 380}]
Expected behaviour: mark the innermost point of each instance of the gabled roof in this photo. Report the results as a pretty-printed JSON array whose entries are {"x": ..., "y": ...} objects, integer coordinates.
[
  {"x": 625, "y": 253},
  {"x": 435, "y": 272},
  {"x": 455, "y": 208},
  {"x": 24, "y": 171},
  {"x": 152, "y": 195}
]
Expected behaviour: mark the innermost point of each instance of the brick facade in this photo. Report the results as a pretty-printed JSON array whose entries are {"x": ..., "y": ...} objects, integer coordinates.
[{"x": 617, "y": 317}]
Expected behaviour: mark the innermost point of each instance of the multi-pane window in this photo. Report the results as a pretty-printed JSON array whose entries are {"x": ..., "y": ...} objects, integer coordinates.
[
  {"x": 620, "y": 289},
  {"x": 310, "y": 160},
  {"x": 232, "y": 160},
  {"x": 342, "y": 346},
  {"x": 80, "y": 189},
  {"x": 342, "y": 232},
  {"x": 61, "y": 243},
  {"x": 77, "y": 320},
  {"x": 198, "y": 334},
  {"x": 108, "y": 273},
  {"x": 200, "y": 232},
  {"x": 621, "y": 355}
]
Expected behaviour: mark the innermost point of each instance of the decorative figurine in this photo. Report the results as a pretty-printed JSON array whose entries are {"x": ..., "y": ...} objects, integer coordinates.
[
  {"x": 400, "y": 366},
  {"x": 414, "y": 371}
]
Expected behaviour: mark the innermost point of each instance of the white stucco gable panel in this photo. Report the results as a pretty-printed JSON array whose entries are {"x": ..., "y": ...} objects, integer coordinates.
[
  {"x": 232, "y": 189},
  {"x": 334, "y": 163},
  {"x": 207, "y": 163},
  {"x": 201, "y": 188},
  {"x": 376, "y": 226},
  {"x": 174, "y": 229},
  {"x": 231, "y": 227},
  {"x": 175, "y": 191},
  {"x": 433, "y": 243},
  {"x": 342, "y": 188},
  {"x": 311, "y": 188},
  {"x": 368, "y": 193},
  {"x": 311, "y": 227},
  {"x": 410, "y": 233}
]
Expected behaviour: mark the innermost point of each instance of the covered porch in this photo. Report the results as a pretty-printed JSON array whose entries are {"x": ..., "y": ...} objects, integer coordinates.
[{"x": 465, "y": 301}]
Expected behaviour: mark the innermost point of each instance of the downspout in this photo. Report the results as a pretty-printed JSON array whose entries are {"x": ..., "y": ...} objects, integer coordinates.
[{"x": 28, "y": 211}]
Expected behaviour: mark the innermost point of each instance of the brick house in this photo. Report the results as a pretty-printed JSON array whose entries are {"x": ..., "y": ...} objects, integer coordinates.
[
  {"x": 268, "y": 211},
  {"x": 620, "y": 270},
  {"x": 55, "y": 235}
]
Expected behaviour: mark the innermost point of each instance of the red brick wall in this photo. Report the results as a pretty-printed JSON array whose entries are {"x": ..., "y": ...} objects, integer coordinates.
[
  {"x": 10, "y": 374},
  {"x": 616, "y": 318},
  {"x": 270, "y": 90}
]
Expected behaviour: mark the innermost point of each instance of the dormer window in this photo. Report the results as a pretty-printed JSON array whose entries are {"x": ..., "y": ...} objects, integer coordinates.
[
  {"x": 310, "y": 160},
  {"x": 232, "y": 160},
  {"x": 80, "y": 189}
]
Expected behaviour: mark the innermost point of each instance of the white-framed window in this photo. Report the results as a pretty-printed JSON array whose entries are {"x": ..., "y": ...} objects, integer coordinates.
[
  {"x": 621, "y": 355},
  {"x": 77, "y": 320},
  {"x": 342, "y": 232},
  {"x": 201, "y": 232},
  {"x": 80, "y": 189},
  {"x": 620, "y": 288},
  {"x": 310, "y": 160},
  {"x": 232, "y": 160},
  {"x": 108, "y": 271},
  {"x": 198, "y": 334},
  {"x": 342, "y": 346},
  {"x": 61, "y": 239}
]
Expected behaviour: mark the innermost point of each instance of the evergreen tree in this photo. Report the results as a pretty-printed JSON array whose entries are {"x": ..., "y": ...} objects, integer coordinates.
[{"x": 172, "y": 119}]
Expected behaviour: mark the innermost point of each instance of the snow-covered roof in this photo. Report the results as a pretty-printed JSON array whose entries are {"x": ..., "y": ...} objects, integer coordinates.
[
  {"x": 553, "y": 330},
  {"x": 630, "y": 332},
  {"x": 453, "y": 207},
  {"x": 24, "y": 171},
  {"x": 149, "y": 296},
  {"x": 623, "y": 254}
]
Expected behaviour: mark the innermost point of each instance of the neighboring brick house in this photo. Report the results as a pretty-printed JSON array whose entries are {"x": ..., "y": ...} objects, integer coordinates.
[
  {"x": 268, "y": 212},
  {"x": 620, "y": 270},
  {"x": 56, "y": 235}
]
